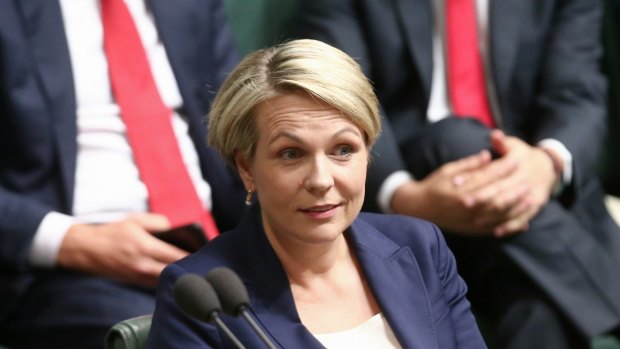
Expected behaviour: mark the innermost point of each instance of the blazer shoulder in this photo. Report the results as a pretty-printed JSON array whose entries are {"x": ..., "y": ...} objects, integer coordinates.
[
  {"x": 386, "y": 234},
  {"x": 400, "y": 228}
]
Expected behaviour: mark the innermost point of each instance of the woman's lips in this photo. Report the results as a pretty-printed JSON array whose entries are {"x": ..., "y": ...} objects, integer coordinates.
[{"x": 322, "y": 211}]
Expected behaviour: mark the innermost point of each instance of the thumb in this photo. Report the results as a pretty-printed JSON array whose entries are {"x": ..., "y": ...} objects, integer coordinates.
[
  {"x": 152, "y": 222},
  {"x": 499, "y": 142}
]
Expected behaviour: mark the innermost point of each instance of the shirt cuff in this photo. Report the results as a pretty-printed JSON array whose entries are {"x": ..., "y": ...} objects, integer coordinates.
[
  {"x": 389, "y": 187},
  {"x": 48, "y": 238},
  {"x": 565, "y": 155}
]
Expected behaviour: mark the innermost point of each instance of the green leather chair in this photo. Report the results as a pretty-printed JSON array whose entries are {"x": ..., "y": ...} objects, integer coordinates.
[
  {"x": 129, "y": 334},
  {"x": 605, "y": 342}
]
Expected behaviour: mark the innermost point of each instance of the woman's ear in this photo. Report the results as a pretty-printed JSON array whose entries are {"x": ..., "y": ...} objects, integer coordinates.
[{"x": 243, "y": 167}]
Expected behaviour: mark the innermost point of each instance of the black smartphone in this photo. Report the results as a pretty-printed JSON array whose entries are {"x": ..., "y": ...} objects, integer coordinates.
[{"x": 188, "y": 237}]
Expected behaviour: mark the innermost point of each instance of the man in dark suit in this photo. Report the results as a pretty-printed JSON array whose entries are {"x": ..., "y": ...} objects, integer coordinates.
[
  {"x": 77, "y": 252},
  {"x": 523, "y": 206}
]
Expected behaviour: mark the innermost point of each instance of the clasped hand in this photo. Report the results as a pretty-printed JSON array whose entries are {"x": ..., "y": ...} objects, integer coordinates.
[{"x": 480, "y": 196}]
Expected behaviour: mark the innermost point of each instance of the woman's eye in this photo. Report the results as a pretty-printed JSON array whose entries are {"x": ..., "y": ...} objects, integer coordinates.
[
  {"x": 344, "y": 150},
  {"x": 290, "y": 154}
]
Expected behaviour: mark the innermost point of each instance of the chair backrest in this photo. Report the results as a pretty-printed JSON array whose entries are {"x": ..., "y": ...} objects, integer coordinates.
[{"x": 129, "y": 334}]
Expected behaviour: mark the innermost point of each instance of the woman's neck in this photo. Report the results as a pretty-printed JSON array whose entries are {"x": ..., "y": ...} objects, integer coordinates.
[
  {"x": 303, "y": 261},
  {"x": 330, "y": 290}
]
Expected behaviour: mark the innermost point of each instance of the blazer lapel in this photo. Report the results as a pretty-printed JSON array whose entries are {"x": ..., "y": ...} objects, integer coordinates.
[
  {"x": 278, "y": 316},
  {"x": 269, "y": 290},
  {"x": 416, "y": 19},
  {"x": 391, "y": 271},
  {"x": 393, "y": 275},
  {"x": 45, "y": 30},
  {"x": 504, "y": 32}
]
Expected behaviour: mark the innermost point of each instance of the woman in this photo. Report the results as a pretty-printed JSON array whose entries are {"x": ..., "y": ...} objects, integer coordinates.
[{"x": 298, "y": 121}]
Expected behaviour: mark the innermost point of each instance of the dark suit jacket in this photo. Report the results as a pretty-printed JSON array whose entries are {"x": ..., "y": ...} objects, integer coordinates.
[
  {"x": 408, "y": 266},
  {"x": 543, "y": 58},
  {"x": 544, "y": 63},
  {"x": 38, "y": 126}
]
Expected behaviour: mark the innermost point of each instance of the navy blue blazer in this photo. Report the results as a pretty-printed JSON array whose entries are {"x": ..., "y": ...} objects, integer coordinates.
[
  {"x": 38, "y": 124},
  {"x": 406, "y": 262}
]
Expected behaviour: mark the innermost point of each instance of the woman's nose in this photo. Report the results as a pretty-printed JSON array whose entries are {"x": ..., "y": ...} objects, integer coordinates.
[{"x": 319, "y": 177}]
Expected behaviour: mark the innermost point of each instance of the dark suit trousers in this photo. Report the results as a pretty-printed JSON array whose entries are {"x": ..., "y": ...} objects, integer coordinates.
[{"x": 63, "y": 309}]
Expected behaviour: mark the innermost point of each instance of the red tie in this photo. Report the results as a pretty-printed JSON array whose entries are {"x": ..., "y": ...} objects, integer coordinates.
[
  {"x": 149, "y": 123},
  {"x": 466, "y": 85}
]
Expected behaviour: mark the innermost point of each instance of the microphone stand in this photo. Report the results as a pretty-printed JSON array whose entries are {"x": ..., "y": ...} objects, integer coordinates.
[
  {"x": 222, "y": 326},
  {"x": 250, "y": 320}
]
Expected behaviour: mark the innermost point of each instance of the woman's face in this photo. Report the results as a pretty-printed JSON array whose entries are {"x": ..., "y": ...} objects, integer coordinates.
[{"x": 309, "y": 169}]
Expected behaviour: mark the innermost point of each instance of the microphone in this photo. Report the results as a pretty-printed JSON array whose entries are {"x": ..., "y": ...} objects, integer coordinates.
[
  {"x": 196, "y": 297},
  {"x": 234, "y": 298}
]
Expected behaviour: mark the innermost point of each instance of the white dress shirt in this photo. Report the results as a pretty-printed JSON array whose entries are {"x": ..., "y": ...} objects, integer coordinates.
[{"x": 107, "y": 183}]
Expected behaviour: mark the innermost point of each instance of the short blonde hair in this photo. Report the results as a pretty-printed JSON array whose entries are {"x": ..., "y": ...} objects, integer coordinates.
[{"x": 311, "y": 66}]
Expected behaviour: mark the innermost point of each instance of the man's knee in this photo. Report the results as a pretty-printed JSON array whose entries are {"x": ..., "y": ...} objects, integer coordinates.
[
  {"x": 447, "y": 140},
  {"x": 534, "y": 323}
]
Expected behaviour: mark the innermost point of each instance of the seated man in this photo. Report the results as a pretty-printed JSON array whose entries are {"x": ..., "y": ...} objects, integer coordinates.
[
  {"x": 495, "y": 142},
  {"x": 83, "y": 182}
]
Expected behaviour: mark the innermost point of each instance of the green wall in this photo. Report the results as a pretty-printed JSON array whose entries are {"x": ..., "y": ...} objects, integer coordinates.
[{"x": 260, "y": 23}]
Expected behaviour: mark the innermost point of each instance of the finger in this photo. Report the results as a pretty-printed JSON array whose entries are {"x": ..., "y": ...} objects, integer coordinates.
[
  {"x": 152, "y": 222},
  {"x": 469, "y": 163},
  {"x": 506, "y": 180},
  {"x": 499, "y": 141},
  {"x": 483, "y": 195},
  {"x": 519, "y": 223},
  {"x": 524, "y": 210},
  {"x": 165, "y": 252},
  {"x": 511, "y": 227},
  {"x": 147, "y": 271},
  {"x": 495, "y": 218},
  {"x": 496, "y": 170},
  {"x": 504, "y": 207},
  {"x": 509, "y": 195}
]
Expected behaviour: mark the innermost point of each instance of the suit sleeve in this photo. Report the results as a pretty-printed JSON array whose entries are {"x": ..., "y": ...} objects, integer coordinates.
[
  {"x": 467, "y": 334},
  {"x": 338, "y": 23},
  {"x": 571, "y": 103},
  {"x": 19, "y": 219},
  {"x": 26, "y": 150}
]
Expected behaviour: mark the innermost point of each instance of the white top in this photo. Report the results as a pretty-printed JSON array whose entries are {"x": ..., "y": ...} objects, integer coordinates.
[
  {"x": 372, "y": 334},
  {"x": 107, "y": 183}
]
